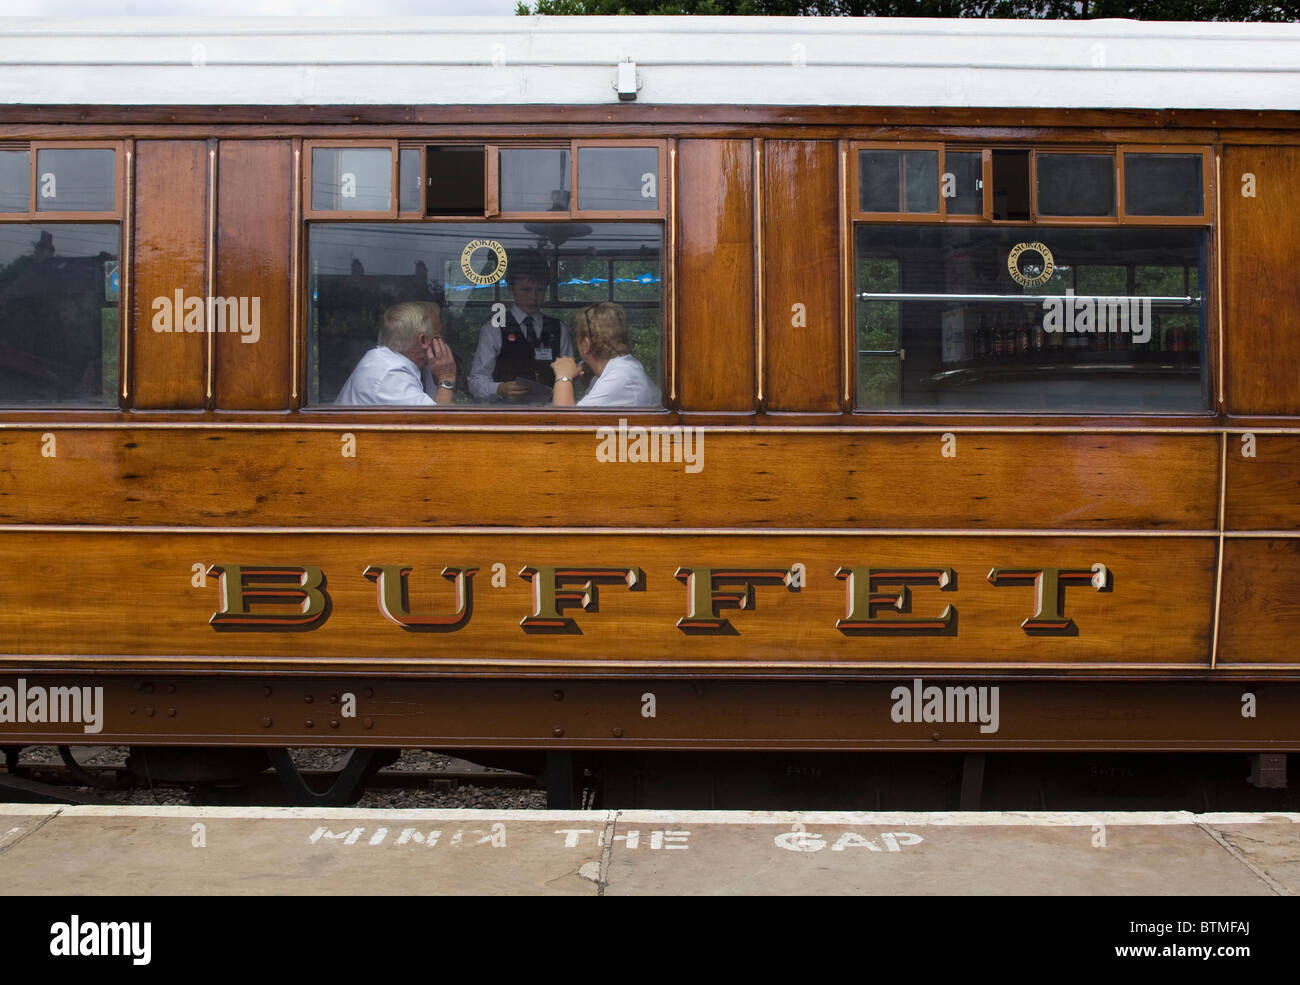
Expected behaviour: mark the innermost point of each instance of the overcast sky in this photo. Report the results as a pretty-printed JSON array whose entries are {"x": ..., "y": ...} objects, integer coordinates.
[{"x": 250, "y": 8}]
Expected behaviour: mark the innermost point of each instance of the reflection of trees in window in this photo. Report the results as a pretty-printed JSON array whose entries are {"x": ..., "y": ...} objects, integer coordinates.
[
  {"x": 58, "y": 328},
  {"x": 878, "y": 332}
]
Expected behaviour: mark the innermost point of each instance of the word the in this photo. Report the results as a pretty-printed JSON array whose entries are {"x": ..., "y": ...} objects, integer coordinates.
[
  {"x": 1098, "y": 315},
  {"x": 946, "y": 704},
  {"x": 80, "y": 705},
  {"x": 195, "y": 314},
  {"x": 631, "y": 839},
  {"x": 102, "y": 939},
  {"x": 653, "y": 444}
]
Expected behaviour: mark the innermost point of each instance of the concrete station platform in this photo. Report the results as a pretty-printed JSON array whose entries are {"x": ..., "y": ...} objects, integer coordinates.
[{"x": 64, "y": 851}]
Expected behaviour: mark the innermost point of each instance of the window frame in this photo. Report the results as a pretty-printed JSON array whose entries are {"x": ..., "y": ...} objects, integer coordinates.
[
  {"x": 34, "y": 147},
  {"x": 394, "y": 191},
  {"x": 1207, "y": 185}
]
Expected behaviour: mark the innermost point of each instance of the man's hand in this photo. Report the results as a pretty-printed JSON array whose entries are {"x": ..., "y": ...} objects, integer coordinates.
[
  {"x": 511, "y": 390},
  {"x": 442, "y": 364}
]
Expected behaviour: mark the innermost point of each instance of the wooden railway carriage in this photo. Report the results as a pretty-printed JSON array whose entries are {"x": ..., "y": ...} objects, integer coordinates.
[{"x": 977, "y": 344}]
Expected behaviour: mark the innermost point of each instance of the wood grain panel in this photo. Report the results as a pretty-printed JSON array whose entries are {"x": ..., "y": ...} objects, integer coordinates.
[
  {"x": 1261, "y": 246},
  {"x": 715, "y": 274},
  {"x": 801, "y": 250},
  {"x": 133, "y": 595},
  {"x": 1264, "y": 491},
  {"x": 178, "y": 476},
  {"x": 1260, "y": 619},
  {"x": 170, "y": 244},
  {"x": 254, "y": 244}
]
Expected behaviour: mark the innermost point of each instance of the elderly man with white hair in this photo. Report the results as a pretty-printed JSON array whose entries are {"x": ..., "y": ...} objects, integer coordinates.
[{"x": 410, "y": 343}]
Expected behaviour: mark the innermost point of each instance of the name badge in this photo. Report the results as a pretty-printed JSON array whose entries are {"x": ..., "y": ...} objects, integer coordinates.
[{"x": 542, "y": 354}]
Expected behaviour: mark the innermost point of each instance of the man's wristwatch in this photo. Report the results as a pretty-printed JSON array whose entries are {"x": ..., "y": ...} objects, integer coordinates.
[{"x": 447, "y": 384}]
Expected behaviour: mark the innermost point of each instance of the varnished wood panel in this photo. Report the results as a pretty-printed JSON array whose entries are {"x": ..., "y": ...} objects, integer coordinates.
[
  {"x": 1264, "y": 491},
  {"x": 134, "y": 595},
  {"x": 801, "y": 249},
  {"x": 171, "y": 193},
  {"x": 715, "y": 275},
  {"x": 178, "y": 476},
  {"x": 1260, "y": 619},
  {"x": 254, "y": 243},
  {"x": 1261, "y": 246}
]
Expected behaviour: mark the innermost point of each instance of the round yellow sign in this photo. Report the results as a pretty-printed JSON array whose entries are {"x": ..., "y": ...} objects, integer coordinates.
[
  {"x": 1013, "y": 264},
  {"x": 493, "y": 275}
]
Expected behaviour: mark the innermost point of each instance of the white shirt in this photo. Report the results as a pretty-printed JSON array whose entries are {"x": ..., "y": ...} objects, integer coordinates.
[
  {"x": 481, "y": 384},
  {"x": 385, "y": 377},
  {"x": 624, "y": 383}
]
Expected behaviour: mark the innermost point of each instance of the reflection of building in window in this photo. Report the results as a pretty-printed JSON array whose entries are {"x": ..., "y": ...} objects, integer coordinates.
[{"x": 58, "y": 314}]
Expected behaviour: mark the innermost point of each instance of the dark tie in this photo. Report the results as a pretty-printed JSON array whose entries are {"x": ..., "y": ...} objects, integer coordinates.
[{"x": 528, "y": 329}]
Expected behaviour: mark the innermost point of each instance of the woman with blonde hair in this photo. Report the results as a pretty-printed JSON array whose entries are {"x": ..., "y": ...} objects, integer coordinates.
[{"x": 601, "y": 338}]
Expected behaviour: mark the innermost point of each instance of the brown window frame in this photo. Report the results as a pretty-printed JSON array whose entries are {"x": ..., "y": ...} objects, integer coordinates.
[
  {"x": 1207, "y": 185},
  {"x": 394, "y": 191},
  {"x": 34, "y": 147}
]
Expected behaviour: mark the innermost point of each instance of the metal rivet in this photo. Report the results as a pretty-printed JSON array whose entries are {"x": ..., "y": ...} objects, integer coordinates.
[
  {"x": 171, "y": 712},
  {"x": 334, "y": 699},
  {"x": 557, "y": 732},
  {"x": 171, "y": 688},
  {"x": 334, "y": 723},
  {"x": 267, "y": 690},
  {"x": 307, "y": 699},
  {"x": 309, "y": 723},
  {"x": 370, "y": 692},
  {"x": 558, "y": 695},
  {"x": 266, "y": 721},
  {"x": 618, "y": 733},
  {"x": 934, "y": 736},
  {"x": 369, "y": 723},
  {"x": 149, "y": 711}
]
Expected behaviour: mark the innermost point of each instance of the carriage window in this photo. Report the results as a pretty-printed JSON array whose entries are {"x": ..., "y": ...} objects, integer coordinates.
[
  {"x": 963, "y": 187},
  {"x": 506, "y": 295},
  {"x": 1164, "y": 184},
  {"x": 1042, "y": 318},
  {"x": 15, "y": 180},
  {"x": 75, "y": 179},
  {"x": 454, "y": 180},
  {"x": 898, "y": 180},
  {"x": 59, "y": 294},
  {"x": 352, "y": 179},
  {"x": 622, "y": 179},
  {"x": 409, "y": 180},
  {"x": 535, "y": 180},
  {"x": 1076, "y": 184}
]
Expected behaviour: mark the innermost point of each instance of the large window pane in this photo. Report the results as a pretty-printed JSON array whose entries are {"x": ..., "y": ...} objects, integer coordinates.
[
  {"x": 618, "y": 179},
  {"x": 351, "y": 179},
  {"x": 1163, "y": 184},
  {"x": 59, "y": 294},
  {"x": 1076, "y": 184},
  {"x": 358, "y": 270},
  {"x": 879, "y": 180},
  {"x": 75, "y": 180},
  {"x": 15, "y": 180},
  {"x": 1110, "y": 322},
  {"x": 921, "y": 181},
  {"x": 535, "y": 180}
]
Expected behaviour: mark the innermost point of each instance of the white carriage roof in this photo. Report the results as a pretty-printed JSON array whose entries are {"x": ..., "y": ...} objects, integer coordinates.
[{"x": 799, "y": 61}]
